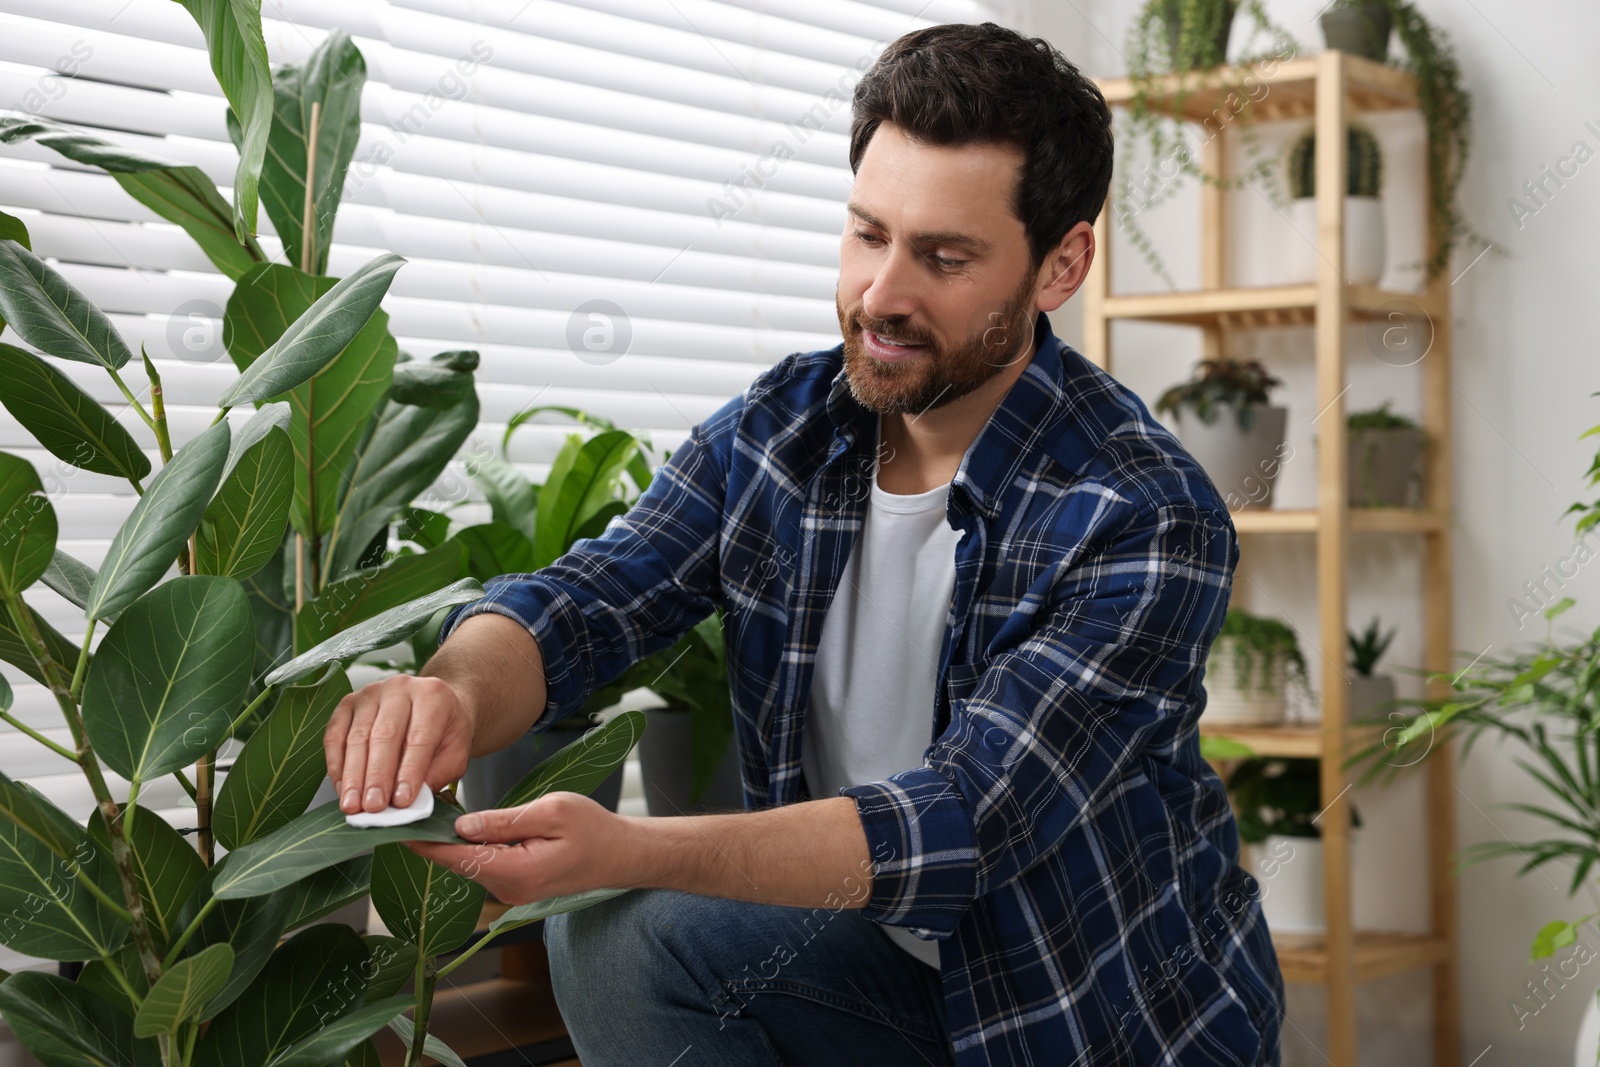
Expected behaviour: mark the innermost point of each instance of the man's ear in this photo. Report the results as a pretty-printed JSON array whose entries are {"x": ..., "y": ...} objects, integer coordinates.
[{"x": 1065, "y": 268}]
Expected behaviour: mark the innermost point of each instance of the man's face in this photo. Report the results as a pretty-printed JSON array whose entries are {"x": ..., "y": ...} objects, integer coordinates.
[{"x": 931, "y": 255}]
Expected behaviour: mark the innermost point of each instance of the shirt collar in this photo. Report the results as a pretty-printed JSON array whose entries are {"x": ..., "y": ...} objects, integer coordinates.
[{"x": 1027, "y": 411}]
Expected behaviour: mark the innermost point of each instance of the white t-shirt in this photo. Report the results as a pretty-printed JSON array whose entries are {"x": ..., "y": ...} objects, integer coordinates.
[{"x": 870, "y": 712}]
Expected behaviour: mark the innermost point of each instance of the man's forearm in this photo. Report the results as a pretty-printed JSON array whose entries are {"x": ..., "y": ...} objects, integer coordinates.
[
  {"x": 810, "y": 854},
  {"x": 497, "y": 671}
]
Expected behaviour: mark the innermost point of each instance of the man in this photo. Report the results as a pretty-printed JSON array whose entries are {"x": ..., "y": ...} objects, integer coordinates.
[{"x": 969, "y": 586}]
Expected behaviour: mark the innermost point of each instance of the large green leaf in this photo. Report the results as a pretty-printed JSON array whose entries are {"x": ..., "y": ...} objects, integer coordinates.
[
  {"x": 65, "y": 1025},
  {"x": 167, "y": 866},
  {"x": 27, "y": 526},
  {"x": 272, "y": 606},
  {"x": 343, "y": 1034},
  {"x": 277, "y": 774},
  {"x": 331, "y": 77},
  {"x": 14, "y": 650},
  {"x": 493, "y": 549},
  {"x": 582, "y": 765},
  {"x": 390, "y": 964},
  {"x": 170, "y": 676},
  {"x": 49, "y": 313},
  {"x": 21, "y": 804},
  {"x": 65, "y": 420},
  {"x": 400, "y": 455},
  {"x": 361, "y": 596},
  {"x": 97, "y": 976},
  {"x": 431, "y": 1045},
  {"x": 380, "y": 631},
  {"x": 13, "y": 229},
  {"x": 44, "y": 910},
  {"x": 315, "y": 975},
  {"x": 430, "y": 906},
  {"x": 523, "y": 914},
  {"x": 250, "y": 927},
  {"x": 438, "y": 382},
  {"x": 244, "y": 523},
  {"x": 316, "y": 840},
  {"x": 232, "y": 29},
  {"x": 329, "y": 889},
  {"x": 69, "y": 576},
  {"x": 147, "y": 543},
  {"x": 513, "y": 499},
  {"x": 313, "y": 338},
  {"x": 183, "y": 991},
  {"x": 581, "y": 482},
  {"x": 179, "y": 194}
]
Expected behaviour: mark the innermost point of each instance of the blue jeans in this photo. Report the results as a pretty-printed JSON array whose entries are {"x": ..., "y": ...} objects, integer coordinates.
[{"x": 673, "y": 979}]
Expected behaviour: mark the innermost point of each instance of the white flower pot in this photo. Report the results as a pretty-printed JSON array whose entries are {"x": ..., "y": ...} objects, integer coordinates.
[
  {"x": 1242, "y": 464},
  {"x": 1589, "y": 1034},
  {"x": 1291, "y": 891},
  {"x": 1365, "y": 244},
  {"x": 1263, "y": 701}
]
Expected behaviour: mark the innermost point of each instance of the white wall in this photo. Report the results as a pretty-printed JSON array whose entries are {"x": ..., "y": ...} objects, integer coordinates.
[{"x": 1525, "y": 366}]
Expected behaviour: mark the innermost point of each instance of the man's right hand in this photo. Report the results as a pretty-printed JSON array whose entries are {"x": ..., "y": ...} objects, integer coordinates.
[{"x": 395, "y": 737}]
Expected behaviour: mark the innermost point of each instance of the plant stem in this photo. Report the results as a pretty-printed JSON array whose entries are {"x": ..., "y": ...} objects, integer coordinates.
[
  {"x": 188, "y": 932},
  {"x": 133, "y": 400},
  {"x": 427, "y": 978},
  {"x": 158, "y": 408},
  {"x": 83, "y": 662},
  {"x": 122, "y": 980},
  {"x": 477, "y": 946},
  {"x": 183, "y": 780},
  {"x": 17, "y": 724},
  {"x": 250, "y": 709}
]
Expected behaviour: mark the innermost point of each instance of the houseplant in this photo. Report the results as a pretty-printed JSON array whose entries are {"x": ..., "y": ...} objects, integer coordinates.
[
  {"x": 1242, "y": 454},
  {"x": 1369, "y": 692},
  {"x": 285, "y": 576},
  {"x": 1278, "y": 803},
  {"x": 1365, "y": 247},
  {"x": 1249, "y": 669},
  {"x": 1386, "y": 457},
  {"x": 1360, "y": 27}
]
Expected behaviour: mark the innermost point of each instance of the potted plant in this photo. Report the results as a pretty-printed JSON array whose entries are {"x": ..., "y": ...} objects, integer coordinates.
[
  {"x": 1278, "y": 803},
  {"x": 1386, "y": 458},
  {"x": 1369, "y": 692},
  {"x": 1249, "y": 670},
  {"x": 1360, "y": 27},
  {"x": 1365, "y": 247},
  {"x": 1242, "y": 453}
]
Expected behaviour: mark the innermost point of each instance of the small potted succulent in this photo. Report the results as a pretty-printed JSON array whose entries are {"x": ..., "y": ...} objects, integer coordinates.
[
  {"x": 1386, "y": 456},
  {"x": 1365, "y": 246},
  {"x": 1278, "y": 802},
  {"x": 1360, "y": 27},
  {"x": 1369, "y": 693},
  {"x": 1241, "y": 454},
  {"x": 1256, "y": 658}
]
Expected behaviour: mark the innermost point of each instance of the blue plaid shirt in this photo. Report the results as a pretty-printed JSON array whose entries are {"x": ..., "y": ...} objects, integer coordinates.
[{"x": 1063, "y": 839}]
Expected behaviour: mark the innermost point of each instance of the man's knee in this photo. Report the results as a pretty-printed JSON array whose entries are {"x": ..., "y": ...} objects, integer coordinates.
[{"x": 617, "y": 946}]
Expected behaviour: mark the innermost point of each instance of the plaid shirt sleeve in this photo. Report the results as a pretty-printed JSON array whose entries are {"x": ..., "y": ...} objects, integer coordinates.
[
  {"x": 611, "y": 600},
  {"x": 1045, "y": 741}
]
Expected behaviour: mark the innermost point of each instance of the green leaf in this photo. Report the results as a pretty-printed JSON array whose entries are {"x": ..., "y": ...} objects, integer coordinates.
[
  {"x": 523, "y": 914},
  {"x": 14, "y": 650},
  {"x": 332, "y": 77},
  {"x": 316, "y": 974},
  {"x": 70, "y": 577},
  {"x": 311, "y": 341},
  {"x": 12, "y": 229},
  {"x": 316, "y": 840},
  {"x": 244, "y": 523},
  {"x": 276, "y": 775},
  {"x": 429, "y": 383},
  {"x": 250, "y": 927},
  {"x": 170, "y": 676},
  {"x": 65, "y": 1025},
  {"x": 1551, "y": 936},
  {"x": 429, "y": 529},
  {"x": 391, "y": 963},
  {"x": 168, "y": 868},
  {"x": 330, "y": 889},
  {"x": 161, "y": 522},
  {"x": 183, "y": 991},
  {"x": 582, "y": 765},
  {"x": 431, "y": 1045},
  {"x": 97, "y": 977},
  {"x": 27, "y": 526},
  {"x": 341, "y": 1035},
  {"x": 380, "y": 631},
  {"x": 50, "y": 314},
  {"x": 361, "y": 596},
  {"x": 582, "y": 481},
  {"x": 513, "y": 499},
  {"x": 232, "y": 29},
  {"x": 44, "y": 910},
  {"x": 433, "y": 907},
  {"x": 399, "y": 456},
  {"x": 1224, "y": 748},
  {"x": 68, "y": 422},
  {"x": 493, "y": 549}
]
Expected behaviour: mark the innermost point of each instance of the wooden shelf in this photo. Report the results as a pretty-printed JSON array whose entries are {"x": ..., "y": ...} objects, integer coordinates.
[
  {"x": 1362, "y": 520},
  {"x": 1290, "y": 90},
  {"x": 1260, "y": 305},
  {"x": 1286, "y": 742},
  {"x": 1304, "y": 958}
]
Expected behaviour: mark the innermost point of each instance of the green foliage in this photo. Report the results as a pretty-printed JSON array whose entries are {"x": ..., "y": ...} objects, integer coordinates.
[
  {"x": 581, "y": 766},
  {"x": 1279, "y": 796},
  {"x": 1364, "y": 164},
  {"x": 1239, "y": 384},
  {"x": 1380, "y": 418},
  {"x": 1368, "y": 647},
  {"x": 429, "y": 906},
  {"x": 1258, "y": 645},
  {"x": 68, "y": 422}
]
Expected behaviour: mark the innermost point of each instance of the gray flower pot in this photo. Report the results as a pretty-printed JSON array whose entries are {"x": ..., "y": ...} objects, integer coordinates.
[
  {"x": 1360, "y": 29},
  {"x": 488, "y": 777},
  {"x": 1243, "y": 464},
  {"x": 1368, "y": 694},
  {"x": 666, "y": 766},
  {"x": 1385, "y": 468}
]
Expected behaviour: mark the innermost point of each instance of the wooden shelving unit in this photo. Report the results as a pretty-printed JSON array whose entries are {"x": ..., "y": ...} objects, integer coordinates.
[{"x": 1328, "y": 88}]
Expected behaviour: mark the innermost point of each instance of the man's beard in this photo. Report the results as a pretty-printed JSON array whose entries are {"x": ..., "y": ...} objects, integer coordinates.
[{"x": 937, "y": 375}]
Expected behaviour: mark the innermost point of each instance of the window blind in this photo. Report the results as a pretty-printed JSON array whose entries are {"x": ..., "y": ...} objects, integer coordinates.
[{"x": 677, "y": 168}]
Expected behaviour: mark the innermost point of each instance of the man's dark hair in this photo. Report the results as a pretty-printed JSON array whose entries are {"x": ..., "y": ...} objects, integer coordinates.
[{"x": 960, "y": 84}]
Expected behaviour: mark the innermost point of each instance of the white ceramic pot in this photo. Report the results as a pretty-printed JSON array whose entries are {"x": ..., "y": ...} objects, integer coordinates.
[
  {"x": 1292, "y": 898},
  {"x": 1589, "y": 1035},
  {"x": 1261, "y": 702},
  {"x": 1242, "y": 464},
  {"x": 1365, "y": 244}
]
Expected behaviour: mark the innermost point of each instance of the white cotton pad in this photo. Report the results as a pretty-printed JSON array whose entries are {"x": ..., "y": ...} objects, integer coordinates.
[{"x": 416, "y": 811}]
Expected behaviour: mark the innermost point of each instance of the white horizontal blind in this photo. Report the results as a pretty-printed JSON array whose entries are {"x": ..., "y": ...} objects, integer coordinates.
[{"x": 685, "y": 162}]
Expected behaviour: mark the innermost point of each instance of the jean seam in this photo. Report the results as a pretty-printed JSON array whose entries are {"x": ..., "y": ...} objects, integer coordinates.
[{"x": 871, "y": 1013}]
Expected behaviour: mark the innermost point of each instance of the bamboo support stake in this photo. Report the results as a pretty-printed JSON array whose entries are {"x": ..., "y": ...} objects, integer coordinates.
[{"x": 308, "y": 224}]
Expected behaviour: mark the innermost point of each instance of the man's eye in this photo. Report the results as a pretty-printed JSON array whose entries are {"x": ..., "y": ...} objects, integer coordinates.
[
  {"x": 867, "y": 237},
  {"x": 948, "y": 263}
]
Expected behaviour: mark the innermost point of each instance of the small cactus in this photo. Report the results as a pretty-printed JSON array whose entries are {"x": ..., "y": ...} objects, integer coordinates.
[{"x": 1365, "y": 164}]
